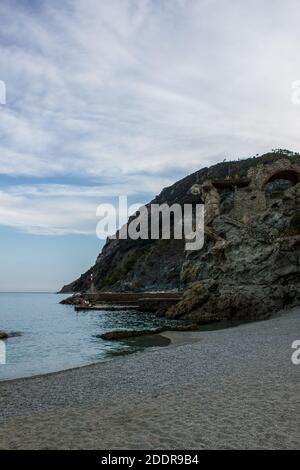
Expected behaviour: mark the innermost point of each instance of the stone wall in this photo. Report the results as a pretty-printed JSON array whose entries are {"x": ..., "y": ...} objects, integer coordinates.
[
  {"x": 259, "y": 174},
  {"x": 252, "y": 200},
  {"x": 247, "y": 204}
]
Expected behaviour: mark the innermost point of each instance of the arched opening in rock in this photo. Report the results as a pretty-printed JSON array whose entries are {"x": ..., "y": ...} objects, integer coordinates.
[{"x": 281, "y": 180}]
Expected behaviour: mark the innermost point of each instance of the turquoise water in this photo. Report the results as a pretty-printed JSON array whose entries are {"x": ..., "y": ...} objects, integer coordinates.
[{"x": 55, "y": 337}]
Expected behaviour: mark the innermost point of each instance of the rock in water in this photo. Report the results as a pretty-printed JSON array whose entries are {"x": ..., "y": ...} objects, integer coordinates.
[
  {"x": 119, "y": 335},
  {"x": 124, "y": 334},
  {"x": 11, "y": 334}
]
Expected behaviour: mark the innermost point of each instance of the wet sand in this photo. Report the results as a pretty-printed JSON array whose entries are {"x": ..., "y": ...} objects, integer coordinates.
[{"x": 227, "y": 389}]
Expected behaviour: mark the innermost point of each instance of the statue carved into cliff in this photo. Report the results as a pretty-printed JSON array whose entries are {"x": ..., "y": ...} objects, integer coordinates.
[{"x": 211, "y": 199}]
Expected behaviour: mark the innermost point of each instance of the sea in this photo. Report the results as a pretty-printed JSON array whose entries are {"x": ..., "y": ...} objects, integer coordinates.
[{"x": 54, "y": 337}]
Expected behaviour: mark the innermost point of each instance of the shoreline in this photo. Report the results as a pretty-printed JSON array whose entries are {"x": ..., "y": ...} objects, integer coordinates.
[
  {"x": 109, "y": 358},
  {"x": 232, "y": 388},
  {"x": 175, "y": 339}
]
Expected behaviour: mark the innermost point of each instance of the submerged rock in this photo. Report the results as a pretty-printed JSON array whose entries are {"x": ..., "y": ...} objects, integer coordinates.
[
  {"x": 124, "y": 334},
  {"x": 118, "y": 335},
  {"x": 11, "y": 334}
]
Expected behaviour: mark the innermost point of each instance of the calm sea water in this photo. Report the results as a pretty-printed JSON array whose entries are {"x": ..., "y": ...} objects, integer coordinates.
[{"x": 55, "y": 337}]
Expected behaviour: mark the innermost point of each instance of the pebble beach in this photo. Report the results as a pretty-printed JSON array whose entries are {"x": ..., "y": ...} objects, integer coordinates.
[{"x": 235, "y": 388}]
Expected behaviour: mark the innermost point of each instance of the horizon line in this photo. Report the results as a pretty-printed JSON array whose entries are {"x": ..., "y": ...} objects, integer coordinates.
[{"x": 28, "y": 292}]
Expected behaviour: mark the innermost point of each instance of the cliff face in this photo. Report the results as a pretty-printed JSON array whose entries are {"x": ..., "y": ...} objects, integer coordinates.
[
  {"x": 125, "y": 265},
  {"x": 253, "y": 270}
]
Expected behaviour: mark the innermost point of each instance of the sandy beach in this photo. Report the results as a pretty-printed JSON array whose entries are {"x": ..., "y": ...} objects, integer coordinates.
[{"x": 228, "y": 389}]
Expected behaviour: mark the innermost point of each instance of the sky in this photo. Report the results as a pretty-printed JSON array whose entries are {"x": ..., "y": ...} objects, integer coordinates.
[{"x": 124, "y": 97}]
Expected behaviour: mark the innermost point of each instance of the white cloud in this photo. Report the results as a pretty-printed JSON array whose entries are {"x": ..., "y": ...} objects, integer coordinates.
[
  {"x": 58, "y": 209},
  {"x": 136, "y": 89},
  {"x": 38, "y": 215}
]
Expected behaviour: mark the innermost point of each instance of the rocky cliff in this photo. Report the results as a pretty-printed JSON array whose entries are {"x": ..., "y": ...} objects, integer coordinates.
[{"x": 250, "y": 262}]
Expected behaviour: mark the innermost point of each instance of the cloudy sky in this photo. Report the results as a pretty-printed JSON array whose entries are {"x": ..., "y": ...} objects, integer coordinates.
[{"x": 115, "y": 97}]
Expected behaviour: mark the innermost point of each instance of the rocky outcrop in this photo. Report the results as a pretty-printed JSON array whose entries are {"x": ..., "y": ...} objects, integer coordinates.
[
  {"x": 214, "y": 301},
  {"x": 11, "y": 334},
  {"x": 124, "y": 334},
  {"x": 250, "y": 263}
]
